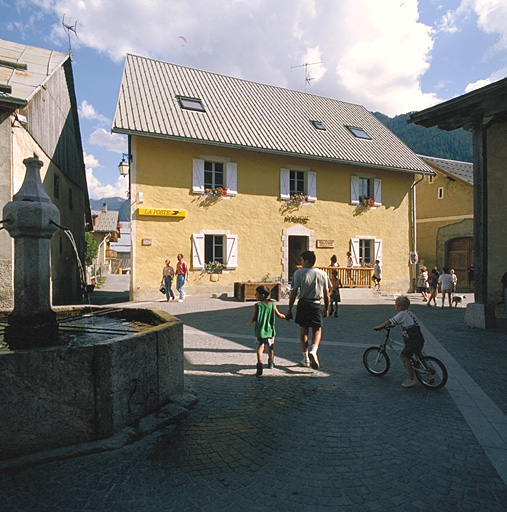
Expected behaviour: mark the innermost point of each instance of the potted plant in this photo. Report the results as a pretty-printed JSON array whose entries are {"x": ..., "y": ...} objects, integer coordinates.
[{"x": 213, "y": 267}]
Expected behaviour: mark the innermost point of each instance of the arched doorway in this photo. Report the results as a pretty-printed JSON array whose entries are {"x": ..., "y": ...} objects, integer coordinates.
[{"x": 460, "y": 256}]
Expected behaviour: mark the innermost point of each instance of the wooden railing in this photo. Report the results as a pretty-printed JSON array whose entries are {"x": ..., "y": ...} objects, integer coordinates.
[
  {"x": 110, "y": 254},
  {"x": 357, "y": 277}
]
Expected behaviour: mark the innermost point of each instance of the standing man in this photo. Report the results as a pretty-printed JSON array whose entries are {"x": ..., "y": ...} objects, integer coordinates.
[
  {"x": 313, "y": 285},
  {"x": 181, "y": 276}
]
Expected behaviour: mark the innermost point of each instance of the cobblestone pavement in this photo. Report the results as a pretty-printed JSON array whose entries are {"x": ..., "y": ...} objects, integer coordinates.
[{"x": 337, "y": 439}]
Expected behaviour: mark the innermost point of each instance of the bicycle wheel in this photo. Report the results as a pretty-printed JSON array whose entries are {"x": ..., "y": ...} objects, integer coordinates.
[
  {"x": 434, "y": 375},
  {"x": 376, "y": 361}
]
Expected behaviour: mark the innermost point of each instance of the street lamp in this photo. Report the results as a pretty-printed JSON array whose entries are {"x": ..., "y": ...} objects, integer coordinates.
[{"x": 124, "y": 165}]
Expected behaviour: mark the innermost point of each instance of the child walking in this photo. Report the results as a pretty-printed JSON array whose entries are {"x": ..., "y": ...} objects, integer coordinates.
[
  {"x": 336, "y": 284},
  {"x": 412, "y": 335},
  {"x": 264, "y": 317}
]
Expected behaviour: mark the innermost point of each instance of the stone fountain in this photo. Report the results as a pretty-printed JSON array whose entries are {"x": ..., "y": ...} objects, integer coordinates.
[{"x": 73, "y": 374}]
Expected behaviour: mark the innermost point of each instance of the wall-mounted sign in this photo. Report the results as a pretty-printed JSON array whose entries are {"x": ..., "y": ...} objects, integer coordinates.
[
  {"x": 297, "y": 220},
  {"x": 158, "y": 212},
  {"x": 146, "y": 241},
  {"x": 325, "y": 244}
]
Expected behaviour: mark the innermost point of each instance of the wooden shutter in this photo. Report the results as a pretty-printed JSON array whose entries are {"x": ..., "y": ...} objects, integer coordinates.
[
  {"x": 284, "y": 183},
  {"x": 198, "y": 176},
  {"x": 231, "y": 178},
  {"x": 197, "y": 251},
  {"x": 354, "y": 249},
  {"x": 378, "y": 250},
  {"x": 231, "y": 251},
  {"x": 377, "y": 192},
  {"x": 354, "y": 189},
  {"x": 312, "y": 186}
]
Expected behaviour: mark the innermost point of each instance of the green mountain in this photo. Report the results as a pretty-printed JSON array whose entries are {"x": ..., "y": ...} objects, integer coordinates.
[{"x": 455, "y": 145}]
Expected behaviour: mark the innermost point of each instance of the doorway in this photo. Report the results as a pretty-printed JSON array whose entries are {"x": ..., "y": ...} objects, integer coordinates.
[
  {"x": 460, "y": 256},
  {"x": 297, "y": 245}
]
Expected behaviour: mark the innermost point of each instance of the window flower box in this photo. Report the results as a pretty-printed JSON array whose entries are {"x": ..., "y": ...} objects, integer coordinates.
[
  {"x": 297, "y": 199},
  {"x": 213, "y": 267},
  {"x": 215, "y": 193},
  {"x": 367, "y": 202}
]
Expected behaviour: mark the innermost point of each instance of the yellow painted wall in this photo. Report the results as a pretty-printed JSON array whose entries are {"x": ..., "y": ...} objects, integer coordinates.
[
  {"x": 435, "y": 215},
  {"x": 162, "y": 171}
]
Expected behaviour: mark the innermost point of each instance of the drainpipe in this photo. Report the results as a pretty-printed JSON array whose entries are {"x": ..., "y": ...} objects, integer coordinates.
[{"x": 414, "y": 231}]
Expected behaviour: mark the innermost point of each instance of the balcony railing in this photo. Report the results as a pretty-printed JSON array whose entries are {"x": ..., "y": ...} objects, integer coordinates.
[
  {"x": 110, "y": 254},
  {"x": 357, "y": 277}
]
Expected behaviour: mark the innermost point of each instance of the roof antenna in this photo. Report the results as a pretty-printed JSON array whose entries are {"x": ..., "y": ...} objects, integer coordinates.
[
  {"x": 307, "y": 77},
  {"x": 69, "y": 29}
]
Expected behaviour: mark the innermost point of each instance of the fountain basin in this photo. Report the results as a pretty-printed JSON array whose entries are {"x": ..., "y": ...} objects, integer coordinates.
[{"x": 62, "y": 395}]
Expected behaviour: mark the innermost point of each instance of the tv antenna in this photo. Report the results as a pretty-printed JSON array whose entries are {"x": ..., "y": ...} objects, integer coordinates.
[
  {"x": 307, "y": 76},
  {"x": 69, "y": 29}
]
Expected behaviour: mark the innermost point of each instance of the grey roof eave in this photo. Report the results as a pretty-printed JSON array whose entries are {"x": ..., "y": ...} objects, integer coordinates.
[{"x": 124, "y": 131}]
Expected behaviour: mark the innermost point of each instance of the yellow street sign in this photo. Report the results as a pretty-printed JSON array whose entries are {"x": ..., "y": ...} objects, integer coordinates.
[{"x": 158, "y": 212}]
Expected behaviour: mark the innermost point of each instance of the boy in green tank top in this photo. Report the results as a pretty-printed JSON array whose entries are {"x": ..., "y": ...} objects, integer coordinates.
[{"x": 264, "y": 317}]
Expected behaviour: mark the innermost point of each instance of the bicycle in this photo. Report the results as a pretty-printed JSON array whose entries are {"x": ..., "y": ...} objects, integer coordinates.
[{"x": 429, "y": 370}]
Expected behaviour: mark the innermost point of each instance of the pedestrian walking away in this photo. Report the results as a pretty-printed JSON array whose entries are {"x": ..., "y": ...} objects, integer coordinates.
[
  {"x": 412, "y": 335},
  {"x": 167, "y": 280},
  {"x": 433, "y": 286},
  {"x": 313, "y": 286},
  {"x": 264, "y": 316},
  {"x": 422, "y": 283},
  {"x": 377, "y": 275},
  {"x": 446, "y": 281},
  {"x": 181, "y": 277}
]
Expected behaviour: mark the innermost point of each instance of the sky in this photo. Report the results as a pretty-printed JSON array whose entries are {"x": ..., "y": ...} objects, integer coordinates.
[{"x": 391, "y": 56}]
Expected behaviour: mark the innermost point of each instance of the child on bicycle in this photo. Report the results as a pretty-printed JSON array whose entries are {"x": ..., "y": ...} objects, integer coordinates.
[
  {"x": 412, "y": 335},
  {"x": 264, "y": 317}
]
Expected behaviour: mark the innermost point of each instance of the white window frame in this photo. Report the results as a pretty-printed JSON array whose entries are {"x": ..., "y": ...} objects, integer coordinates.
[
  {"x": 440, "y": 193},
  {"x": 375, "y": 185},
  {"x": 230, "y": 248},
  {"x": 310, "y": 178},
  {"x": 230, "y": 175},
  {"x": 354, "y": 248}
]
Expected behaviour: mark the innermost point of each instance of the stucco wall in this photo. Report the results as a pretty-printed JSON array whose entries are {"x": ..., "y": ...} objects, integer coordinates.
[
  {"x": 162, "y": 171},
  {"x": 442, "y": 219}
]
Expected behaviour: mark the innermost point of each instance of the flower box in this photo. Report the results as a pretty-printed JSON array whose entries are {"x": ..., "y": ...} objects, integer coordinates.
[{"x": 246, "y": 290}]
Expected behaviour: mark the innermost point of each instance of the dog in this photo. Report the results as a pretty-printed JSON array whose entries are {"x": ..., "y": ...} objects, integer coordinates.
[{"x": 458, "y": 300}]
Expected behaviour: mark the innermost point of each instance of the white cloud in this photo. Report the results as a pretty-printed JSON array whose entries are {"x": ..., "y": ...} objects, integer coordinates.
[
  {"x": 375, "y": 52},
  {"x": 87, "y": 111},
  {"x": 97, "y": 190},
  {"x": 111, "y": 141}
]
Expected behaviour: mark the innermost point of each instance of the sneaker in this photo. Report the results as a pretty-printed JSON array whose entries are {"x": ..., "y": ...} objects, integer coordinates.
[
  {"x": 271, "y": 363},
  {"x": 314, "y": 360},
  {"x": 305, "y": 363},
  {"x": 408, "y": 383},
  {"x": 259, "y": 369},
  {"x": 180, "y": 300}
]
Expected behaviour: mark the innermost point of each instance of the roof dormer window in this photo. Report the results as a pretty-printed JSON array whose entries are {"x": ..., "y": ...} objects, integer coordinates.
[
  {"x": 358, "y": 132},
  {"x": 191, "y": 103},
  {"x": 319, "y": 125}
]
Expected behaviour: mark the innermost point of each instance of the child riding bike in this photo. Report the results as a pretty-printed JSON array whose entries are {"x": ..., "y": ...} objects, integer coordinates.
[{"x": 412, "y": 335}]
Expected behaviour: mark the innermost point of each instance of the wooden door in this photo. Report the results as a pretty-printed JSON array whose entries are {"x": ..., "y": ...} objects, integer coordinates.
[{"x": 460, "y": 255}]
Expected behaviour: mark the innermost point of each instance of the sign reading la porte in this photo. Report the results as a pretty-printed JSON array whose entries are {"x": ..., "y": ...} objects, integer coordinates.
[{"x": 158, "y": 212}]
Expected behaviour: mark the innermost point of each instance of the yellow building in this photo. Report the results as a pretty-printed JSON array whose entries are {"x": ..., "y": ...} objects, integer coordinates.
[
  {"x": 249, "y": 175},
  {"x": 445, "y": 217}
]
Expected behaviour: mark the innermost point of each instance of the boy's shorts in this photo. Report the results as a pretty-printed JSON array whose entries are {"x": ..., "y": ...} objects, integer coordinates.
[
  {"x": 413, "y": 342},
  {"x": 309, "y": 314},
  {"x": 266, "y": 341}
]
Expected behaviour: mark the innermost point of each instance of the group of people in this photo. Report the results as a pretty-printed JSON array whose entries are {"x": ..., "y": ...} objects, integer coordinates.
[
  {"x": 168, "y": 275},
  {"x": 429, "y": 284},
  {"x": 312, "y": 285}
]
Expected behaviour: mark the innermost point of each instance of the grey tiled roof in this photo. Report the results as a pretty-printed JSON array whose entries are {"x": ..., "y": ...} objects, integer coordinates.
[
  {"x": 25, "y": 68},
  {"x": 249, "y": 115},
  {"x": 461, "y": 170},
  {"x": 106, "y": 221}
]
